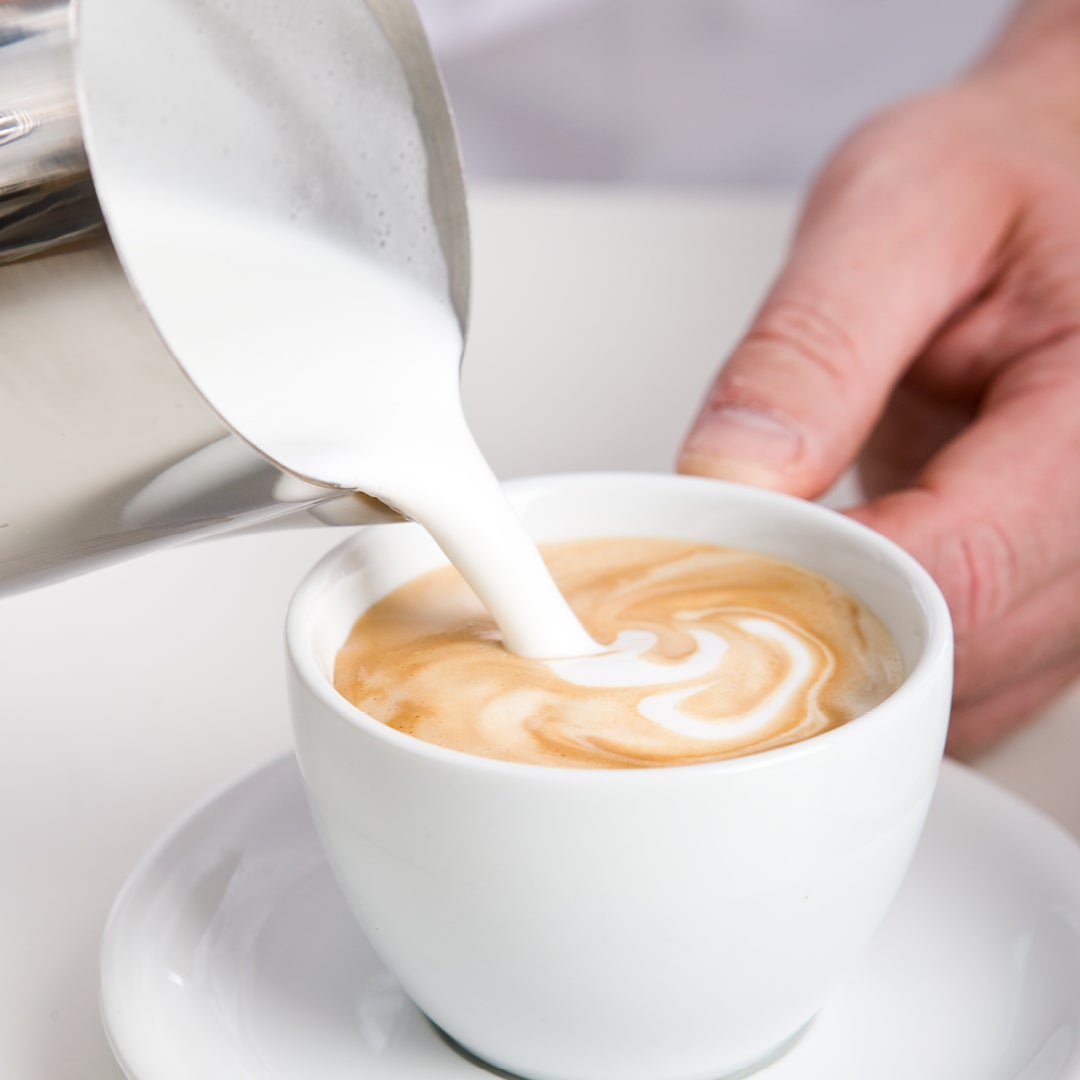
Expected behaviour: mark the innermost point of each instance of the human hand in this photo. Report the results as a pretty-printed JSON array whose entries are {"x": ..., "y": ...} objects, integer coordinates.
[{"x": 927, "y": 323}]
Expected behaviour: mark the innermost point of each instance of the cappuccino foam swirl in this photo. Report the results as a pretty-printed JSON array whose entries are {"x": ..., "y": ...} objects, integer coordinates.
[{"x": 711, "y": 653}]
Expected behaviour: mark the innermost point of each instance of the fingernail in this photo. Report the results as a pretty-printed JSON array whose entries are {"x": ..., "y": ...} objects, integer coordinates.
[{"x": 738, "y": 443}]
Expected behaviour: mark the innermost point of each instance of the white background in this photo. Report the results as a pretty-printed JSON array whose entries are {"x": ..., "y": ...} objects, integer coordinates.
[{"x": 129, "y": 693}]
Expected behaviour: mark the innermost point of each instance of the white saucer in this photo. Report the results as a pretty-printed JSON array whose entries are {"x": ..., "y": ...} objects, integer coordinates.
[{"x": 230, "y": 955}]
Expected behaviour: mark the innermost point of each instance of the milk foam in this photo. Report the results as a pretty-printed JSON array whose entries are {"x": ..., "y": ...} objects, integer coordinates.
[
  {"x": 625, "y": 666},
  {"x": 347, "y": 373},
  {"x": 665, "y": 709},
  {"x": 270, "y": 188},
  {"x": 623, "y": 663}
]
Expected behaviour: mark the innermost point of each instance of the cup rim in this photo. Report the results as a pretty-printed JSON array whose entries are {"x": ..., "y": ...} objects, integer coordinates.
[{"x": 936, "y": 650}]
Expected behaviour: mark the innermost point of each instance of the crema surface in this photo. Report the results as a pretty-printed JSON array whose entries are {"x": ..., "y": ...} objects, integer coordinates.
[{"x": 710, "y": 653}]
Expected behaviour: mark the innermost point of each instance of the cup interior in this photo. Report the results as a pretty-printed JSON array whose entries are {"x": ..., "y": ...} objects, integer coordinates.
[{"x": 877, "y": 572}]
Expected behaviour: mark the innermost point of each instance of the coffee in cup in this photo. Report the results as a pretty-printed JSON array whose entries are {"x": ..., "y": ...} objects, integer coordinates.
[{"x": 711, "y": 652}]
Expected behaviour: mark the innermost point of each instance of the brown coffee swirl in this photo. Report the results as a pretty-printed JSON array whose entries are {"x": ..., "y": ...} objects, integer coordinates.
[{"x": 713, "y": 653}]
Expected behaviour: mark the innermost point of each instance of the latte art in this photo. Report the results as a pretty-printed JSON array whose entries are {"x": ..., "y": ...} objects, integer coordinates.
[
  {"x": 710, "y": 653},
  {"x": 703, "y": 669}
]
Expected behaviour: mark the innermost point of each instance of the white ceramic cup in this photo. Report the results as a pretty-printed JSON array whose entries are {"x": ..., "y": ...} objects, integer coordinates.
[{"x": 676, "y": 923}]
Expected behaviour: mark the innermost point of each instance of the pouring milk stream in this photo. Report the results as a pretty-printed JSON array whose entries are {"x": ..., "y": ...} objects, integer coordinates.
[
  {"x": 348, "y": 372},
  {"x": 283, "y": 190}
]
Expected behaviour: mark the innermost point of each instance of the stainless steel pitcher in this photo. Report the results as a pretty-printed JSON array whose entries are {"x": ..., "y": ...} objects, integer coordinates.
[{"x": 105, "y": 443}]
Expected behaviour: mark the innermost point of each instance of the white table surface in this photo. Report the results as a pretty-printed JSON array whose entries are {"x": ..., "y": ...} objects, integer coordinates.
[{"x": 129, "y": 693}]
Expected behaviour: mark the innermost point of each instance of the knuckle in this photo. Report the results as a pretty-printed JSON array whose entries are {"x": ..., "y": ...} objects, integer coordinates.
[
  {"x": 906, "y": 139},
  {"x": 806, "y": 336},
  {"x": 979, "y": 574}
]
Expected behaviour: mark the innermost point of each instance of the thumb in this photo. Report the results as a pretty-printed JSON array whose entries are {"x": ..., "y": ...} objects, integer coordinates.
[{"x": 895, "y": 237}]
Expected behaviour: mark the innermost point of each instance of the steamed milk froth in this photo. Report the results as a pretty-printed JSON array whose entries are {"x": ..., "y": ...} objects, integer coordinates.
[
  {"x": 345, "y": 371},
  {"x": 277, "y": 189},
  {"x": 710, "y": 653}
]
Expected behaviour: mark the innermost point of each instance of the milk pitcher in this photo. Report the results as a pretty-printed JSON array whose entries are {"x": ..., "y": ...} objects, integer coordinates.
[{"x": 325, "y": 116}]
